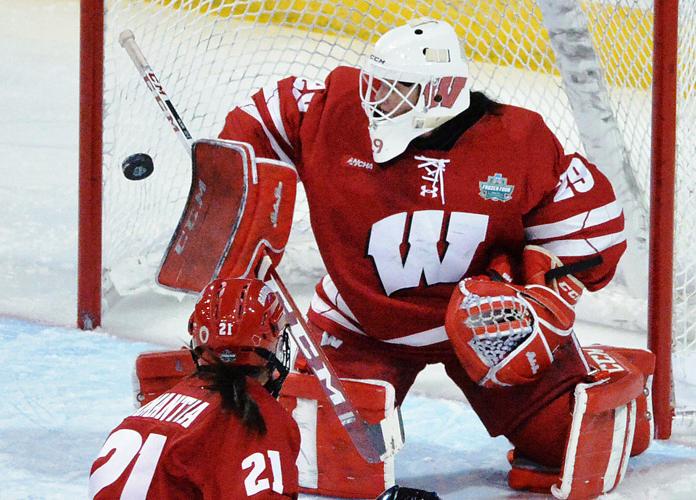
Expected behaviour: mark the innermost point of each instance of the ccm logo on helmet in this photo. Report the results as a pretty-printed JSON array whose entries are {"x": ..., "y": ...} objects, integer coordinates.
[{"x": 376, "y": 59}]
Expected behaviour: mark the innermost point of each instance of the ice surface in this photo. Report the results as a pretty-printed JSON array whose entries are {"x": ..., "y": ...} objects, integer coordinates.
[{"x": 65, "y": 389}]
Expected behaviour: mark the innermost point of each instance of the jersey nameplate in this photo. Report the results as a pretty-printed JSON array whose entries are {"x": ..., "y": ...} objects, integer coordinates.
[{"x": 172, "y": 407}]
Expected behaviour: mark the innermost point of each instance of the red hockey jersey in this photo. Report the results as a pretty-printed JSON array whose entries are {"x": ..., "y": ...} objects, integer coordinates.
[
  {"x": 182, "y": 445},
  {"x": 396, "y": 237}
]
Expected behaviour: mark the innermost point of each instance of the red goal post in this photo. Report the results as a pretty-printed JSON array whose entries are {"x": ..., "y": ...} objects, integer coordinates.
[
  {"x": 662, "y": 206},
  {"x": 212, "y": 53}
]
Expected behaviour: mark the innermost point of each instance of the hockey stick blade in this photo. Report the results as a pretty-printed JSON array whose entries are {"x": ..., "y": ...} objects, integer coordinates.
[{"x": 375, "y": 442}]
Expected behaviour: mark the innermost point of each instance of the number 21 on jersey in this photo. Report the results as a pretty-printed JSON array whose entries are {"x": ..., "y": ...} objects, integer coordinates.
[{"x": 127, "y": 444}]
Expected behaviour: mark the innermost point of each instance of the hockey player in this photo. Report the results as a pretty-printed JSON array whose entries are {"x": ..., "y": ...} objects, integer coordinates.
[
  {"x": 219, "y": 433},
  {"x": 420, "y": 190}
]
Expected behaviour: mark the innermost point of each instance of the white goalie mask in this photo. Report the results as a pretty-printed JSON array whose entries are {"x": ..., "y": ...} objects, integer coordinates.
[{"x": 414, "y": 81}]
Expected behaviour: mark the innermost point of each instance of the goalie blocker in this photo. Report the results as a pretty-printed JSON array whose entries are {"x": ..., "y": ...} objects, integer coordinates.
[{"x": 239, "y": 208}]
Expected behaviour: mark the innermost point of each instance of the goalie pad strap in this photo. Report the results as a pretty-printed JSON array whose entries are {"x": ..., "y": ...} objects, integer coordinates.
[
  {"x": 573, "y": 268},
  {"x": 529, "y": 476},
  {"x": 541, "y": 267}
]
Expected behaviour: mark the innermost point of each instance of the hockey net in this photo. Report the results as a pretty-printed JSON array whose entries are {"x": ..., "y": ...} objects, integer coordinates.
[{"x": 591, "y": 80}]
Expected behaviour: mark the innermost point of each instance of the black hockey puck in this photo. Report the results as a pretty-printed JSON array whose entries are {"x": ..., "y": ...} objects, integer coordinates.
[{"x": 138, "y": 166}]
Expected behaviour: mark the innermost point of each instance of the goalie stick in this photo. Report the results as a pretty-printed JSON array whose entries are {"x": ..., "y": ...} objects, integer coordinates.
[
  {"x": 127, "y": 41},
  {"x": 560, "y": 271},
  {"x": 371, "y": 440},
  {"x": 375, "y": 442}
]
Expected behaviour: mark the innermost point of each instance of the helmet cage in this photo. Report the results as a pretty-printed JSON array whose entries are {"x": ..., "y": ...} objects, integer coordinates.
[
  {"x": 427, "y": 54},
  {"x": 376, "y": 91}
]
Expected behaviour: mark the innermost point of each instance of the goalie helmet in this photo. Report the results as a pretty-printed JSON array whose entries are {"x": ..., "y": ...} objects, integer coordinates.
[
  {"x": 241, "y": 321},
  {"x": 414, "y": 81}
]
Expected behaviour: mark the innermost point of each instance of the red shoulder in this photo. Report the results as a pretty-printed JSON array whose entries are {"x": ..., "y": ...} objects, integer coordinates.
[
  {"x": 342, "y": 84},
  {"x": 521, "y": 124}
]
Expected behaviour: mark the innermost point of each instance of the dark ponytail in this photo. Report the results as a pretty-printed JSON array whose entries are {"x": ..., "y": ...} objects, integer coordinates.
[{"x": 230, "y": 381}]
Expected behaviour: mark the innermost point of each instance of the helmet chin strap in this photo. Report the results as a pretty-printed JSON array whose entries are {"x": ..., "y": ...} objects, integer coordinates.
[{"x": 274, "y": 385}]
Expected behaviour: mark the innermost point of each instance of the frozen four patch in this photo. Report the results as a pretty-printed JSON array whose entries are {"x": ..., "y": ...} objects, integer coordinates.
[{"x": 496, "y": 188}]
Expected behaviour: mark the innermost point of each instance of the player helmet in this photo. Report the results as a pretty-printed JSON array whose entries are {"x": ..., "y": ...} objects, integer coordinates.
[
  {"x": 414, "y": 81},
  {"x": 241, "y": 321}
]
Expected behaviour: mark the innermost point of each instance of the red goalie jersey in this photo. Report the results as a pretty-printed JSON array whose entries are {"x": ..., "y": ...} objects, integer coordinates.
[
  {"x": 182, "y": 445},
  {"x": 396, "y": 237}
]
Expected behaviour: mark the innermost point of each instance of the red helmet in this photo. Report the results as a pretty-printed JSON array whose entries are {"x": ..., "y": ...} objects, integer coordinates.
[{"x": 240, "y": 321}]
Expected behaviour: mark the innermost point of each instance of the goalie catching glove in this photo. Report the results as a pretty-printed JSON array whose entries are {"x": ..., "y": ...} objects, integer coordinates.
[{"x": 505, "y": 334}]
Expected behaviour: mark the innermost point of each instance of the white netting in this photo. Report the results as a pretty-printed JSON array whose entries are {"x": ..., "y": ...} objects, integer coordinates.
[
  {"x": 212, "y": 54},
  {"x": 685, "y": 235},
  {"x": 498, "y": 325}
]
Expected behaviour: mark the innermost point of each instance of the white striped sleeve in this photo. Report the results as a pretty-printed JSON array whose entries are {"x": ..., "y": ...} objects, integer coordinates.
[
  {"x": 584, "y": 220},
  {"x": 583, "y": 247},
  {"x": 250, "y": 109},
  {"x": 273, "y": 104}
]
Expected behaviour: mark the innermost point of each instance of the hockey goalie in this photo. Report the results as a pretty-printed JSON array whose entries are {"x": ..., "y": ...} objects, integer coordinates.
[
  {"x": 454, "y": 229},
  {"x": 419, "y": 190}
]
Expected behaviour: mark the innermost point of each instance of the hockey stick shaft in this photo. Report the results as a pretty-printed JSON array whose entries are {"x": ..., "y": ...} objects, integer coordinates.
[
  {"x": 127, "y": 41},
  {"x": 583, "y": 265},
  {"x": 369, "y": 439}
]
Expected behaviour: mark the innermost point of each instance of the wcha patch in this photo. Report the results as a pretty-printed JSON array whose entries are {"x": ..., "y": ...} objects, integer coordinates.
[{"x": 496, "y": 188}]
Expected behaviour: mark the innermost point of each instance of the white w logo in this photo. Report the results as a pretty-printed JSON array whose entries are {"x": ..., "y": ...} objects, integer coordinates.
[{"x": 465, "y": 232}]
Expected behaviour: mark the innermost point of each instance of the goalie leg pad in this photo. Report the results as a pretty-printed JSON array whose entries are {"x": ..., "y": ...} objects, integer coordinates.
[
  {"x": 157, "y": 372},
  {"x": 598, "y": 446},
  {"x": 609, "y": 418},
  {"x": 329, "y": 464},
  {"x": 644, "y": 361}
]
